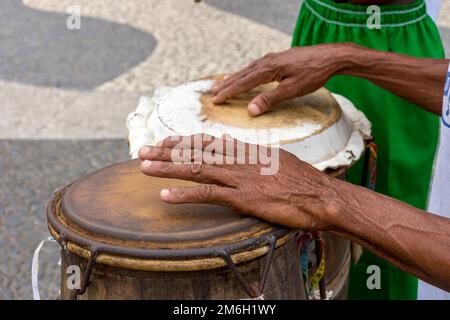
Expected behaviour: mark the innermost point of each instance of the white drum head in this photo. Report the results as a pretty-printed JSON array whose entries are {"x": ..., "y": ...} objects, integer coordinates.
[{"x": 321, "y": 128}]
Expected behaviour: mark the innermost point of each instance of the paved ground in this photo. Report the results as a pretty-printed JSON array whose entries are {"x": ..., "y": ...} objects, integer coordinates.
[
  {"x": 31, "y": 170},
  {"x": 65, "y": 93},
  {"x": 43, "y": 52}
]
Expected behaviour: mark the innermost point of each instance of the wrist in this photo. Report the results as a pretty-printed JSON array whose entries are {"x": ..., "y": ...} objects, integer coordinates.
[
  {"x": 362, "y": 62},
  {"x": 336, "y": 206},
  {"x": 342, "y": 57},
  {"x": 353, "y": 59}
]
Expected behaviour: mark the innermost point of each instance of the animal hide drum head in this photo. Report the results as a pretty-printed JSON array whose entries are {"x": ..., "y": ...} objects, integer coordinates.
[{"x": 321, "y": 128}]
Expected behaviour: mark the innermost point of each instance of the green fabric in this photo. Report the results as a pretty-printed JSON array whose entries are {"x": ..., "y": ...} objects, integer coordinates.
[{"x": 406, "y": 135}]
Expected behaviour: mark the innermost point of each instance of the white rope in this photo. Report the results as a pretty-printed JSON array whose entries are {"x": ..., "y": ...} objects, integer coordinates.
[{"x": 35, "y": 268}]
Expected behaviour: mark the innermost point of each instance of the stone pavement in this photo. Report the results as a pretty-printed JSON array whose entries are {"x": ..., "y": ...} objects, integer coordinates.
[
  {"x": 31, "y": 170},
  {"x": 65, "y": 93}
]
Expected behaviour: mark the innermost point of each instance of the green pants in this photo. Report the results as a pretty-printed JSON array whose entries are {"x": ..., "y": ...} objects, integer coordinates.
[{"x": 405, "y": 134}]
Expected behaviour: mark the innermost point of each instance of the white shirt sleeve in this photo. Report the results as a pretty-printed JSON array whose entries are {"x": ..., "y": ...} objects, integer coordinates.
[
  {"x": 440, "y": 190},
  {"x": 433, "y": 7}
]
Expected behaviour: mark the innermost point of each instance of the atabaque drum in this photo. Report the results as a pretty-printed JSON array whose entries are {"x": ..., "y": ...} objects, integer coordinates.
[
  {"x": 119, "y": 241},
  {"x": 322, "y": 128}
]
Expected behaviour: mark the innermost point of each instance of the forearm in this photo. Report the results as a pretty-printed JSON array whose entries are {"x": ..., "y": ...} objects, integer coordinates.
[
  {"x": 413, "y": 240},
  {"x": 418, "y": 80}
]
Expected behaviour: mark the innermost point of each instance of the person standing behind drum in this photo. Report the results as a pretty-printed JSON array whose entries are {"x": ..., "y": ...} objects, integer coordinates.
[
  {"x": 300, "y": 196},
  {"x": 404, "y": 27}
]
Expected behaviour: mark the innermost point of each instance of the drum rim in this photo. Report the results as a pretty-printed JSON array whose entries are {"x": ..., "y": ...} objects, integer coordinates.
[{"x": 114, "y": 255}]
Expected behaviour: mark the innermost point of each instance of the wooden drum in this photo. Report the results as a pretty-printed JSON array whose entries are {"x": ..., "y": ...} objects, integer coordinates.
[
  {"x": 129, "y": 245},
  {"x": 119, "y": 241},
  {"x": 323, "y": 129}
]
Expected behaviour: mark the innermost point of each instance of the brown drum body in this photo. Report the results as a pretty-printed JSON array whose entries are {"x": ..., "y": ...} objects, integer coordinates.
[
  {"x": 130, "y": 245},
  {"x": 218, "y": 284}
]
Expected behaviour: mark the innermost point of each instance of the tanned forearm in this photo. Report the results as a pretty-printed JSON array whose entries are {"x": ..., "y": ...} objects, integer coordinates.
[
  {"x": 420, "y": 81},
  {"x": 302, "y": 70},
  {"x": 301, "y": 197},
  {"x": 395, "y": 231}
]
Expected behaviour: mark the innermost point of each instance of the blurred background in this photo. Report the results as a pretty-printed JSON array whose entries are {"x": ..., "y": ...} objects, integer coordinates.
[{"x": 65, "y": 93}]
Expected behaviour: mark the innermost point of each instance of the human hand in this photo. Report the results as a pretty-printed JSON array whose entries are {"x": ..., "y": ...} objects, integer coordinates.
[
  {"x": 299, "y": 71},
  {"x": 296, "y": 196}
]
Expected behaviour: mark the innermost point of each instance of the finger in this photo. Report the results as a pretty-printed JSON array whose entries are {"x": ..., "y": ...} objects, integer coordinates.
[
  {"x": 232, "y": 77},
  {"x": 197, "y": 172},
  {"x": 169, "y": 142},
  {"x": 244, "y": 84},
  {"x": 233, "y": 151},
  {"x": 195, "y": 141},
  {"x": 212, "y": 147},
  {"x": 269, "y": 99},
  {"x": 252, "y": 67},
  {"x": 155, "y": 153},
  {"x": 186, "y": 155},
  {"x": 200, "y": 194},
  {"x": 189, "y": 156},
  {"x": 201, "y": 141},
  {"x": 249, "y": 68}
]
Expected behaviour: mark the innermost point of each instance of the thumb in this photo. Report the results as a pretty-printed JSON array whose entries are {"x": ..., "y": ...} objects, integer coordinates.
[{"x": 268, "y": 99}]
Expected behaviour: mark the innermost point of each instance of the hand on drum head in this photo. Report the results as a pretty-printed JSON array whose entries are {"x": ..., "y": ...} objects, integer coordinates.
[
  {"x": 299, "y": 71},
  {"x": 231, "y": 173}
]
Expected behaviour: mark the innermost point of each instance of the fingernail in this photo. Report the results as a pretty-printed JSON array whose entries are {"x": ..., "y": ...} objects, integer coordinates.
[
  {"x": 160, "y": 143},
  {"x": 215, "y": 88},
  {"x": 254, "y": 109},
  {"x": 164, "y": 192},
  {"x": 215, "y": 99},
  {"x": 225, "y": 77},
  {"x": 146, "y": 164}
]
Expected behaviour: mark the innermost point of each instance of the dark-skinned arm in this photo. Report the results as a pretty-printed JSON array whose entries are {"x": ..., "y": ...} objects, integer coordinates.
[
  {"x": 302, "y": 70},
  {"x": 302, "y": 197},
  {"x": 413, "y": 240}
]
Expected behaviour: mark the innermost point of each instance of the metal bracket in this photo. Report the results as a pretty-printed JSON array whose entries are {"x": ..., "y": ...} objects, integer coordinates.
[
  {"x": 87, "y": 272},
  {"x": 74, "y": 293},
  {"x": 254, "y": 293}
]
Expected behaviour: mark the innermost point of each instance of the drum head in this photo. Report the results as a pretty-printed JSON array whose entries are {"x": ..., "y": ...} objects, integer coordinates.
[
  {"x": 321, "y": 128},
  {"x": 318, "y": 108},
  {"x": 118, "y": 208},
  {"x": 189, "y": 108}
]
